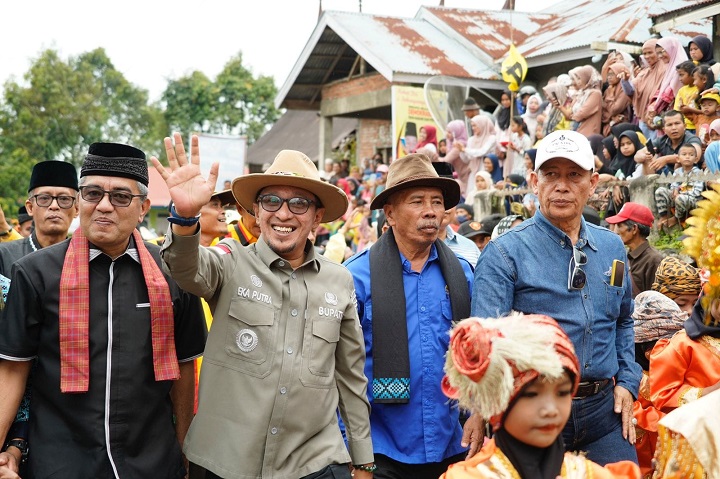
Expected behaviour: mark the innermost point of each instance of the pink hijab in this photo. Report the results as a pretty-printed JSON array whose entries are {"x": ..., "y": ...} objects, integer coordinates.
[
  {"x": 459, "y": 133},
  {"x": 430, "y": 137},
  {"x": 487, "y": 131},
  {"x": 671, "y": 81}
]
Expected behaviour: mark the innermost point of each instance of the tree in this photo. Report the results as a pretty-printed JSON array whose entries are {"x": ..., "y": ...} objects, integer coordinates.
[
  {"x": 62, "y": 107},
  {"x": 236, "y": 103}
]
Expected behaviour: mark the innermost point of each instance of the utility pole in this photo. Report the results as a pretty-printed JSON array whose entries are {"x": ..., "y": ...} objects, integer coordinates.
[{"x": 509, "y": 5}]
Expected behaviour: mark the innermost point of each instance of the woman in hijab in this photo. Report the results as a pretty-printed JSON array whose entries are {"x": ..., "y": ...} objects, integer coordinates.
[
  {"x": 481, "y": 143},
  {"x": 642, "y": 88},
  {"x": 616, "y": 104},
  {"x": 502, "y": 112},
  {"x": 586, "y": 109},
  {"x": 671, "y": 53},
  {"x": 554, "y": 117},
  {"x": 623, "y": 167},
  {"x": 427, "y": 139},
  {"x": 701, "y": 51},
  {"x": 532, "y": 110},
  {"x": 456, "y": 136},
  {"x": 519, "y": 372}
]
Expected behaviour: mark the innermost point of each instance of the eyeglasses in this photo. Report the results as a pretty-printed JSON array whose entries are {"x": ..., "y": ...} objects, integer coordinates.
[
  {"x": 93, "y": 194},
  {"x": 272, "y": 203},
  {"x": 576, "y": 276},
  {"x": 64, "y": 202}
]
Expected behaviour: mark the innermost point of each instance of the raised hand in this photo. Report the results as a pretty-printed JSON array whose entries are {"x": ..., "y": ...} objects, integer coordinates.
[{"x": 189, "y": 190}]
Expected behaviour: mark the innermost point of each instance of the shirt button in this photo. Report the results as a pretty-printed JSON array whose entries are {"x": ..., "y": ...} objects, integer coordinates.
[
  {"x": 283, "y": 390},
  {"x": 585, "y": 296},
  {"x": 293, "y": 275},
  {"x": 422, "y": 308},
  {"x": 273, "y": 430},
  {"x": 562, "y": 243},
  {"x": 587, "y": 365},
  {"x": 281, "y": 263},
  {"x": 289, "y": 350},
  {"x": 293, "y": 312}
]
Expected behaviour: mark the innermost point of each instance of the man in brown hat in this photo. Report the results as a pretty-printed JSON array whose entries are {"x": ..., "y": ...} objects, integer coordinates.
[
  {"x": 286, "y": 349},
  {"x": 114, "y": 338},
  {"x": 410, "y": 289}
]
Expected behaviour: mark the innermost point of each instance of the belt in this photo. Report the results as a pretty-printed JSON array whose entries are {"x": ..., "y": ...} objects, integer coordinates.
[{"x": 590, "y": 388}]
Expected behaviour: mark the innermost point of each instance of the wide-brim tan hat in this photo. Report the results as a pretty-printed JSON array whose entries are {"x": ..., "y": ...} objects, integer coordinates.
[
  {"x": 292, "y": 168},
  {"x": 415, "y": 171}
]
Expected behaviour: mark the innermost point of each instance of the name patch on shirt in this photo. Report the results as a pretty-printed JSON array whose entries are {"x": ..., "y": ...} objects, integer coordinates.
[
  {"x": 330, "y": 312},
  {"x": 254, "y": 295}
]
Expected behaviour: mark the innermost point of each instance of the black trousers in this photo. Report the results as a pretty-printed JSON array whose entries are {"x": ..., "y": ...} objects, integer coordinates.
[
  {"x": 333, "y": 471},
  {"x": 391, "y": 469}
]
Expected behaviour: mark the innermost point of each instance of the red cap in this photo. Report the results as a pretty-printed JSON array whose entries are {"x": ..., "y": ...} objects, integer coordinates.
[{"x": 636, "y": 212}]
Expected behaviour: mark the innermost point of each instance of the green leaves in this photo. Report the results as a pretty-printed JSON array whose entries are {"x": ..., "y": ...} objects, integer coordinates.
[{"x": 62, "y": 106}]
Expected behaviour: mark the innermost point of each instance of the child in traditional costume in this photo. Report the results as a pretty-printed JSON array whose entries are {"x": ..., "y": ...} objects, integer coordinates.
[{"x": 519, "y": 372}]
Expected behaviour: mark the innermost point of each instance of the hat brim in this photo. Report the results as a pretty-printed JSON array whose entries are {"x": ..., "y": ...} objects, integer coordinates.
[
  {"x": 226, "y": 197},
  {"x": 613, "y": 220},
  {"x": 450, "y": 190},
  {"x": 470, "y": 107},
  {"x": 334, "y": 200}
]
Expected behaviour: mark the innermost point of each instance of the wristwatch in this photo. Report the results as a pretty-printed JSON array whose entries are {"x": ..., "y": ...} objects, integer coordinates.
[
  {"x": 21, "y": 445},
  {"x": 176, "y": 219}
]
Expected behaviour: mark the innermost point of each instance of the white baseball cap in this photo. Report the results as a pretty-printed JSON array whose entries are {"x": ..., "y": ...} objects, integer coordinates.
[{"x": 567, "y": 144}]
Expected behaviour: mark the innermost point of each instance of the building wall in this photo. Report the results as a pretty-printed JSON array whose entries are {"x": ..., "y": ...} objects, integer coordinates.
[
  {"x": 355, "y": 86},
  {"x": 374, "y": 136}
]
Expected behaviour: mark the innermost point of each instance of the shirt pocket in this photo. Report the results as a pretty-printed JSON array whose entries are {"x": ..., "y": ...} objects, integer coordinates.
[
  {"x": 613, "y": 300},
  {"x": 319, "y": 355},
  {"x": 250, "y": 337}
]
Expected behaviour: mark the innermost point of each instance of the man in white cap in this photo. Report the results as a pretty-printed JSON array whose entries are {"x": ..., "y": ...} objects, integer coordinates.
[
  {"x": 557, "y": 264},
  {"x": 286, "y": 350}
]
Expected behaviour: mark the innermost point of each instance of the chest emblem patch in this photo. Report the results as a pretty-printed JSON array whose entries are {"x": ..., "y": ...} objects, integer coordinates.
[
  {"x": 330, "y": 298},
  {"x": 257, "y": 282},
  {"x": 246, "y": 340}
]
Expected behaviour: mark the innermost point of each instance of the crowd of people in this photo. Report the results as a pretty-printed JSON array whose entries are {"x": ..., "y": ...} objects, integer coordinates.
[{"x": 310, "y": 338}]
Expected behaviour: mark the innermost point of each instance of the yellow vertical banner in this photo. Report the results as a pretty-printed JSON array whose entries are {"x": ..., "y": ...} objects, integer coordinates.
[
  {"x": 514, "y": 69},
  {"x": 410, "y": 112}
]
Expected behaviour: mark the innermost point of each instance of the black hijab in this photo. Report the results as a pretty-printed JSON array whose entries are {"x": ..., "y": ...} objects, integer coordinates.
[
  {"x": 706, "y": 47},
  {"x": 626, "y": 164},
  {"x": 529, "y": 461},
  {"x": 503, "y": 114},
  {"x": 622, "y": 127},
  {"x": 695, "y": 326},
  {"x": 609, "y": 145}
]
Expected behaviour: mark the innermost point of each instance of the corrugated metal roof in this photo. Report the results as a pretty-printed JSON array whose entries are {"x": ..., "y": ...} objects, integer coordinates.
[
  {"x": 465, "y": 43},
  {"x": 563, "y": 27}
]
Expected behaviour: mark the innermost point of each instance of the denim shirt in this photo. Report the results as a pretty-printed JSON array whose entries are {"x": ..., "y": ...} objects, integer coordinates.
[
  {"x": 427, "y": 428},
  {"x": 526, "y": 270}
]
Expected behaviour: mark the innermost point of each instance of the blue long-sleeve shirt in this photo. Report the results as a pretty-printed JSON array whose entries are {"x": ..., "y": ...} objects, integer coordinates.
[
  {"x": 426, "y": 429},
  {"x": 526, "y": 270}
]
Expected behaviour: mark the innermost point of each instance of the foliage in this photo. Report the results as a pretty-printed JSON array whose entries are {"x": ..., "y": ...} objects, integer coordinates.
[
  {"x": 62, "y": 106},
  {"x": 236, "y": 103},
  {"x": 669, "y": 241}
]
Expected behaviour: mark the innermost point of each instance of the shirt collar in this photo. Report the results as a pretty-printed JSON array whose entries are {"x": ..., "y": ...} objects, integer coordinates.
[
  {"x": 450, "y": 233},
  {"x": 270, "y": 258},
  {"x": 585, "y": 237},
  {"x": 131, "y": 251},
  {"x": 407, "y": 266},
  {"x": 634, "y": 254}
]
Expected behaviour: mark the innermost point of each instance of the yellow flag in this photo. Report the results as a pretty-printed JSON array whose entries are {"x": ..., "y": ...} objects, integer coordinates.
[{"x": 514, "y": 69}]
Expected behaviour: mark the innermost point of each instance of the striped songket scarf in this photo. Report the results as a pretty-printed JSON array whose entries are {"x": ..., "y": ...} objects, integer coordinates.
[{"x": 74, "y": 318}]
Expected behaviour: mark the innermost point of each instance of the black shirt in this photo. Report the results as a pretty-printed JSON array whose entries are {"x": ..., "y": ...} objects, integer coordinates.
[{"x": 124, "y": 410}]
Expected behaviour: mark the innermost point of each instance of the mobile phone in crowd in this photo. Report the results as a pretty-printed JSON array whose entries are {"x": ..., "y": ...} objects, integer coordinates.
[{"x": 650, "y": 147}]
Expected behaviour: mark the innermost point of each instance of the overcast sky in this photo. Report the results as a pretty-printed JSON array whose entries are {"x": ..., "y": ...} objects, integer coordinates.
[{"x": 151, "y": 41}]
